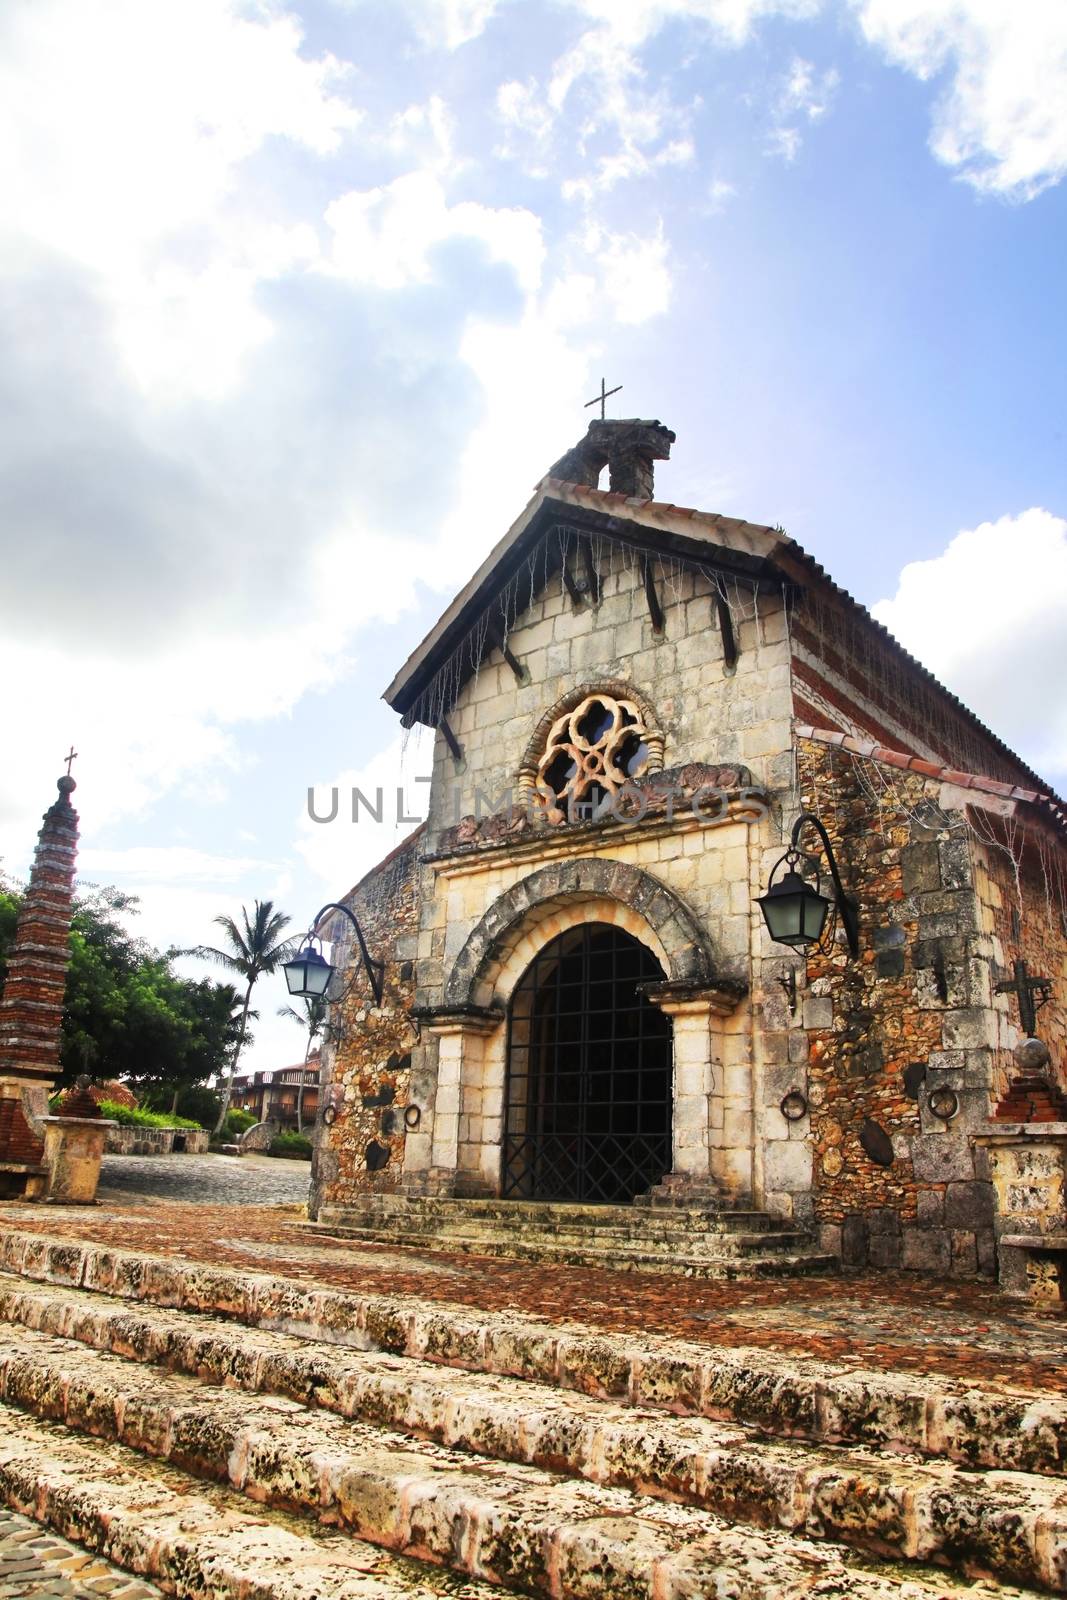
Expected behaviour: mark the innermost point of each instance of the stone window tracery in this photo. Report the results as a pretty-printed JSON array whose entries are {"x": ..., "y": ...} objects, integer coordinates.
[{"x": 593, "y": 750}]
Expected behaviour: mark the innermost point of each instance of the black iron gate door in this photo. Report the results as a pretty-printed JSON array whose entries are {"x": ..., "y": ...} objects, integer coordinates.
[{"x": 588, "y": 1105}]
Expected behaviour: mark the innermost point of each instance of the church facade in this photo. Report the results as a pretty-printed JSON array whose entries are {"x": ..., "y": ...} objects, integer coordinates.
[{"x": 633, "y": 702}]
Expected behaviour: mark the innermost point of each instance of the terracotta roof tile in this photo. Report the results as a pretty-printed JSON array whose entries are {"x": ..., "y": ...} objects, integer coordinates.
[{"x": 929, "y": 769}]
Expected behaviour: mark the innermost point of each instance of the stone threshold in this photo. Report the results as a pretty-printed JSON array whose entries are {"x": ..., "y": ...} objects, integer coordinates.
[{"x": 786, "y": 1396}]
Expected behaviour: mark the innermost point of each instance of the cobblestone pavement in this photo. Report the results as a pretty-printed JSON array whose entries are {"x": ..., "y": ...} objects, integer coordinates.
[
  {"x": 207, "y": 1180},
  {"x": 37, "y": 1565},
  {"x": 891, "y": 1322}
]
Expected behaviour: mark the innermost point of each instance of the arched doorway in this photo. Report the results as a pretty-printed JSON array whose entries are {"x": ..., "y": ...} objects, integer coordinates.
[{"x": 588, "y": 1094}]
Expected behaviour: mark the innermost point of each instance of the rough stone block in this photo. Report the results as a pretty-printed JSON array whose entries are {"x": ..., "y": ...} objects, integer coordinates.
[
  {"x": 818, "y": 1013},
  {"x": 968, "y": 1029},
  {"x": 884, "y": 1251},
  {"x": 941, "y": 1158},
  {"x": 920, "y": 868},
  {"x": 969, "y": 1205},
  {"x": 854, "y": 1240},
  {"x": 931, "y": 1208},
  {"x": 955, "y": 861},
  {"x": 927, "y": 1250}
]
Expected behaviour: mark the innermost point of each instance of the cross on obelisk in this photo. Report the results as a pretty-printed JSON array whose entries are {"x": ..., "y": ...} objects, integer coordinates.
[
  {"x": 602, "y": 397},
  {"x": 1032, "y": 994},
  {"x": 70, "y": 759}
]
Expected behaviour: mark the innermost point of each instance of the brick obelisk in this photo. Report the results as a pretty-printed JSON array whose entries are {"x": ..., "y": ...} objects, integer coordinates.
[{"x": 31, "y": 1008}]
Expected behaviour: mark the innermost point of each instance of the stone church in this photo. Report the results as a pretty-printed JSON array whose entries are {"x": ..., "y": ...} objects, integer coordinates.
[{"x": 583, "y": 1006}]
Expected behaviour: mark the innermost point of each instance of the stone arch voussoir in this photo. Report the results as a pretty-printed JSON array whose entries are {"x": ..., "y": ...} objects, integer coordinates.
[{"x": 650, "y": 906}]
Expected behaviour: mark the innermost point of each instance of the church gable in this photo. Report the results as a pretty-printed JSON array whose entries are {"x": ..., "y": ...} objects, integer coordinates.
[{"x": 636, "y": 673}]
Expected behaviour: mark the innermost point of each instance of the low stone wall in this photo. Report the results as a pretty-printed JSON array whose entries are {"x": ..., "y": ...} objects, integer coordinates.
[{"x": 156, "y": 1141}]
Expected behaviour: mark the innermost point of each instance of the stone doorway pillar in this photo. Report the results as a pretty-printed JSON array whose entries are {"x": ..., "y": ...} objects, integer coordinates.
[
  {"x": 458, "y": 1136},
  {"x": 713, "y": 1118}
]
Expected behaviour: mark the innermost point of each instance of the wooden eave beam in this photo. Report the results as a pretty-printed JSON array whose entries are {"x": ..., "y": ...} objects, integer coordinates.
[
  {"x": 726, "y": 628},
  {"x": 655, "y": 610}
]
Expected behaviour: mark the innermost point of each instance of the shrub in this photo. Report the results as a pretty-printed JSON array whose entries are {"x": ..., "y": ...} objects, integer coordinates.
[
  {"x": 137, "y": 1117},
  {"x": 294, "y": 1145},
  {"x": 237, "y": 1122}
]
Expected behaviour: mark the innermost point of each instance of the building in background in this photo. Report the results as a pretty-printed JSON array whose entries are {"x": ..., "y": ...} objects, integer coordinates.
[{"x": 271, "y": 1095}]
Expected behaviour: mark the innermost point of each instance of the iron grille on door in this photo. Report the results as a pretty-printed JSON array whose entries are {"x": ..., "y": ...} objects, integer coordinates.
[{"x": 589, "y": 1073}]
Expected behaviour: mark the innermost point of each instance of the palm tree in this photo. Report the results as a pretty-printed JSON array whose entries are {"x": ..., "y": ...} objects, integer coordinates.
[
  {"x": 251, "y": 951},
  {"x": 313, "y": 1020}
]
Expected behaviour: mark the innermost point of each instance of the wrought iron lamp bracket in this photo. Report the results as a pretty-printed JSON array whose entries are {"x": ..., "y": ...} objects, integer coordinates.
[
  {"x": 375, "y": 970},
  {"x": 844, "y": 905}
]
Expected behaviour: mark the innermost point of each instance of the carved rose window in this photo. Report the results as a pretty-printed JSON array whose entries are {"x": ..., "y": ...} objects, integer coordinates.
[{"x": 592, "y": 751}]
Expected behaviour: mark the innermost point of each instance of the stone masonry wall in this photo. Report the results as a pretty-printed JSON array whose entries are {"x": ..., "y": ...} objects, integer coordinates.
[
  {"x": 917, "y": 1002},
  {"x": 1024, "y": 916},
  {"x": 367, "y": 1056},
  {"x": 707, "y": 713}
]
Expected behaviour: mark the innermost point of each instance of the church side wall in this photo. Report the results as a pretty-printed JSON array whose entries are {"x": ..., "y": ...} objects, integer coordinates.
[
  {"x": 918, "y": 997},
  {"x": 367, "y": 1063},
  {"x": 848, "y": 678},
  {"x": 1025, "y": 912}
]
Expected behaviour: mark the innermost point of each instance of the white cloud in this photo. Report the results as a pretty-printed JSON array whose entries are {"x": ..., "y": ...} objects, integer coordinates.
[
  {"x": 635, "y": 277},
  {"x": 383, "y": 237},
  {"x": 122, "y": 132},
  {"x": 429, "y": 129},
  {"x": 805, "y": 95},
  {"x": 448, "y": 24},
  {"x": 1001, "y": 120},
  {"x": 619, "y": 124},
  {"x": 989, "y": 618}
]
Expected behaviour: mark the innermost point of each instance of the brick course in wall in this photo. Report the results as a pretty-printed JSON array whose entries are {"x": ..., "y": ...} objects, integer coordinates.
[{"x": 31, "y": 1008}]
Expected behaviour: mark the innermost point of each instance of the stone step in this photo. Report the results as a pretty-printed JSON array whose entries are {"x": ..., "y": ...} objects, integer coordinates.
[
  {"x": 648, "y": 1239},
  {"x": 1013, "y": 1524},
  {"x": 508, "y": 1523},
  {"x": 194, "y": 1538},
  {"x": 418, "y": 1212},
  {"x": 802, "y": 1397},
  {"x": 621, "y": 1258}
]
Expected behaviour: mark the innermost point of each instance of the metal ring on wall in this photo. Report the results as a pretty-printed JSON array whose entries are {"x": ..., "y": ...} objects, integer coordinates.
[
  {"x": 943, "y": 1103},
  {"x": 793, "y": 1106},
  {"x": 412, "y": 1117}
]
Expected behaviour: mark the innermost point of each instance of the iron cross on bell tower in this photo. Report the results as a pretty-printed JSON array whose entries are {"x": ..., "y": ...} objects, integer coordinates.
[
  {"x": 1032, "y": 993},
  {"x": 602, "y": 398}
]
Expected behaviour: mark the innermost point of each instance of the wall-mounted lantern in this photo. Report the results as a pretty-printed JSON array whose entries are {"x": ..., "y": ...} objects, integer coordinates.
[
  {"x": 308, "y": 974},
  {"x": 795, "y": 910}
]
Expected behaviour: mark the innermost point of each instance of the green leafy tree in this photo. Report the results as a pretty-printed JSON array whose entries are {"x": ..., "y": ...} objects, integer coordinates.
[
  {"x": 252, "y": 951},
  {"x": 312, "y": 1018}
]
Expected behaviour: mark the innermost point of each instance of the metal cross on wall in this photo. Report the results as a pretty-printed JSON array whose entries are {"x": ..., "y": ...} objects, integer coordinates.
[
  {"x": 601, "y": 398},
  {"x": 1032, "y": 993}
]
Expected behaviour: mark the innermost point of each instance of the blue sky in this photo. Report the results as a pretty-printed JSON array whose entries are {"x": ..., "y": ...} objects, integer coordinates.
[{"x": 298, "y": 301}]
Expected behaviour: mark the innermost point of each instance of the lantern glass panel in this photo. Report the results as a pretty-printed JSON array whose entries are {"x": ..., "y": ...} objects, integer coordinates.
[
  {"x": 309, "y": 975},
  {"x": 794, "y": 912}
]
